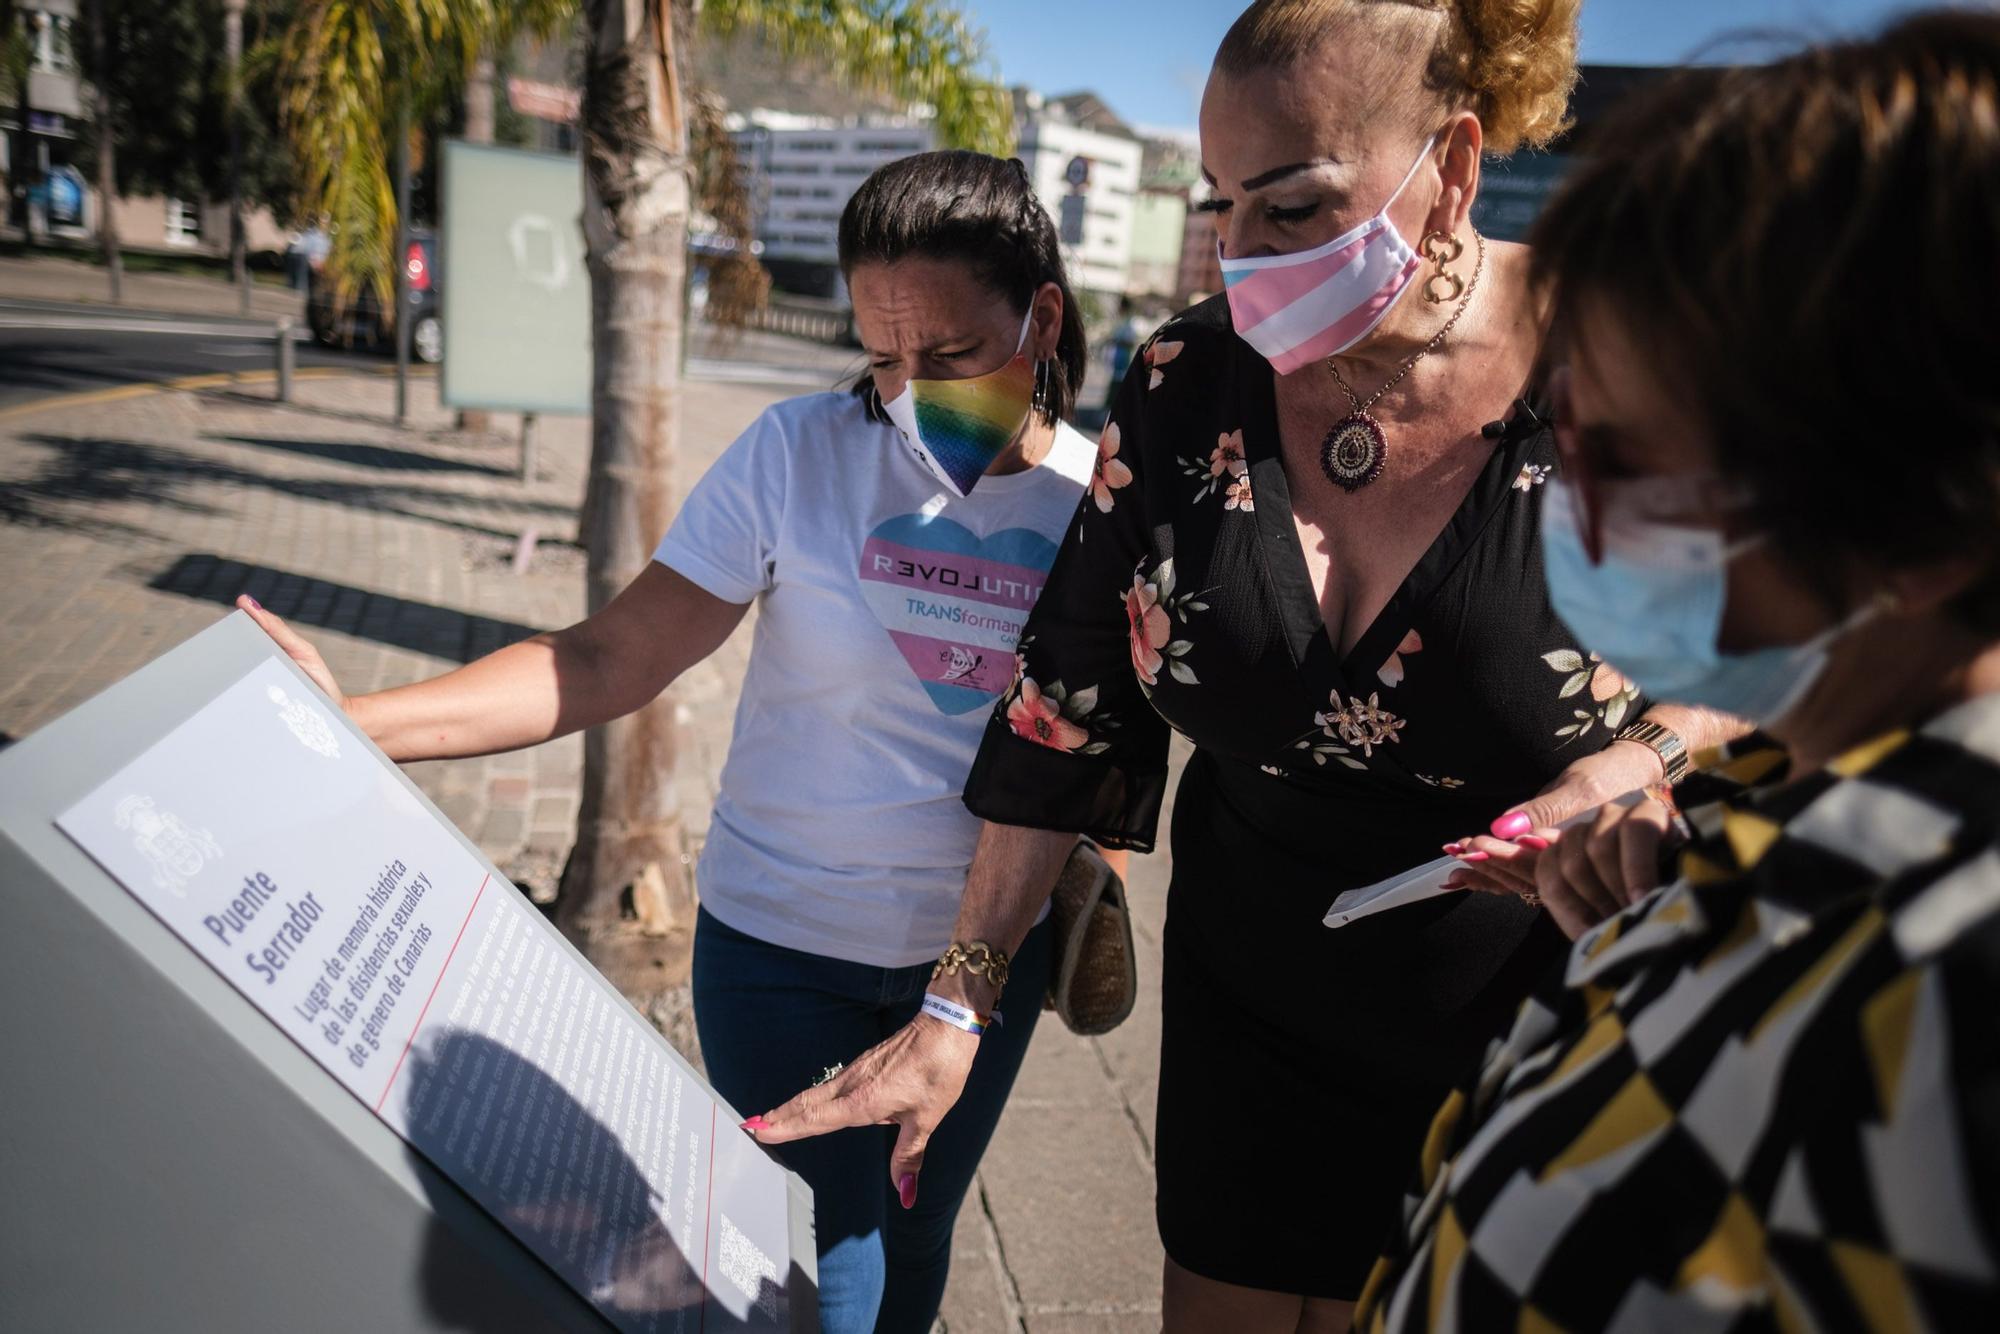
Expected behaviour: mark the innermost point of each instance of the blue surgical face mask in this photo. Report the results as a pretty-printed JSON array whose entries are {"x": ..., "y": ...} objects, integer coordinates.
[{"x": 1652, "y": 608}]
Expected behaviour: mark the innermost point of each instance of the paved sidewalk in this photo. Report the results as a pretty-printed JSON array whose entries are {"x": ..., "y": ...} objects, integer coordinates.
[
  {"x": 128, "y": 525},
  {"x": 64, "y": 279}
]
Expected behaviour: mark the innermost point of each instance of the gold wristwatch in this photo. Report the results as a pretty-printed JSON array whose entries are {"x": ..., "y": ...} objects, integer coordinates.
[{"x": 1663, "y": 742}]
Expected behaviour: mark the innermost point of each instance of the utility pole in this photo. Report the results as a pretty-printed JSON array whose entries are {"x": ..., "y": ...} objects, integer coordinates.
[
  {"x": 232, "y": 48},
  {"x": 107, "y": 176},
  {"x": 479, "y": 126},
  {"x": 402, "y": 258}
]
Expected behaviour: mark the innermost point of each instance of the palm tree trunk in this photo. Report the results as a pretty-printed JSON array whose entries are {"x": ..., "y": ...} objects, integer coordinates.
[
  {"x": 630, "y": 835},
  {"x": 479, "y": 100},
  {"x": 107, "y": 176},
  {"x": 479, "y": 123}
]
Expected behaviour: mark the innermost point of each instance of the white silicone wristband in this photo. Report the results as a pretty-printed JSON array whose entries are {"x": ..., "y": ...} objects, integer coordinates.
[{"x": 957, "y": 1015}]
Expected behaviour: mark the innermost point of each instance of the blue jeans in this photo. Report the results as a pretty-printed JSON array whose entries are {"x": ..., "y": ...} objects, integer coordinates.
[{"x": 771, "y": 1020}]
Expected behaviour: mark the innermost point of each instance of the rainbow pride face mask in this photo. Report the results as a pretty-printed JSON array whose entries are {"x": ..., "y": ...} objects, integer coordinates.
[
  {"x": 958, "y": 427},
  {"x": 1312, "y": 304}
]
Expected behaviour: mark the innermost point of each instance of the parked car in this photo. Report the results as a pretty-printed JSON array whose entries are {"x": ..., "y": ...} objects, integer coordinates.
[{"x": 362, "y": 323}]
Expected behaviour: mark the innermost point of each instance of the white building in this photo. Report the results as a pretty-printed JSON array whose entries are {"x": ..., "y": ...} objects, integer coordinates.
[
  {"x": 800, "y": 172},
  {"x": 1085, "y": 166}
]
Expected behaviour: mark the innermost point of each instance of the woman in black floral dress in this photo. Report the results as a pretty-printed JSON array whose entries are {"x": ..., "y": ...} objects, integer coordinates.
[
  {"x": 1360, "y": 648},
  {"x": 1367, "y": 675}
]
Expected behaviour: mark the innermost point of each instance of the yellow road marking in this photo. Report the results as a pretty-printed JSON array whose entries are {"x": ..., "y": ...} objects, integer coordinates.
[{"x": 189, "y": 383}]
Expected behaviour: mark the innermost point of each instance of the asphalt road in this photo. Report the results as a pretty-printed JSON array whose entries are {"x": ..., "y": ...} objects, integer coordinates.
[{"x": 48, "y": 349}]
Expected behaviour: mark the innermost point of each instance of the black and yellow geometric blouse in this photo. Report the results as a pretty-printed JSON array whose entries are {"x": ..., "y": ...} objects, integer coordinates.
[{"x": 1768, "y": 1097}]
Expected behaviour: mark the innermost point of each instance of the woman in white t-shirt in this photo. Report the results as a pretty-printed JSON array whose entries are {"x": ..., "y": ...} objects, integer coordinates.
[{"x": 894, "y": 539}]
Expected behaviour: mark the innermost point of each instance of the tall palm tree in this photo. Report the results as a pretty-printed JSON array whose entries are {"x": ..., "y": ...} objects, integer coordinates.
[{"x": 346, "y": 59}]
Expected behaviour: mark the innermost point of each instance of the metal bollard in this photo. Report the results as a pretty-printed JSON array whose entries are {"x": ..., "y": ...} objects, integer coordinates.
[
  {"x": 528, "y": 446},
  {"x": 285, "y": 357}
]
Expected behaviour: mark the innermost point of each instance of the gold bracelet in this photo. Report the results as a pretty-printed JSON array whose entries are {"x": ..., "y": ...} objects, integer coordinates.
[{"x": 977, "y": 958}]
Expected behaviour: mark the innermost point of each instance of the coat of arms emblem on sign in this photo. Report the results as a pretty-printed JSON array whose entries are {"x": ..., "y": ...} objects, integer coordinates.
[{"x": 176, "y": 850}]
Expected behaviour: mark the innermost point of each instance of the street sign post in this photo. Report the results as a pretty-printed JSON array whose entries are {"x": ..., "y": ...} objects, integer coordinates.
[{"x": 291, "y": 1054}]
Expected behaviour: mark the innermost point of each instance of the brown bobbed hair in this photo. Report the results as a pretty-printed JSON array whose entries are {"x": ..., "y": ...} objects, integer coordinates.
[
  {"x": 1809, "y": 253},
  {"x": 1511, "y": 62},
  {"x": 968, "y": 208}
]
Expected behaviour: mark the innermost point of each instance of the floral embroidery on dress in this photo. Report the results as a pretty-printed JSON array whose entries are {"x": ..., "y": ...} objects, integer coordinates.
[
  {"x": 1110, "y": 473},
  {"x": 1225, "y": 465},
  {"x": 1611, "y": 693},
  {"x": 1051, "y": 716},
  {"x": 1532, "y": 476},
  {"x": 1239, "y": 497},
  {"x": 1391, "y": 673},
  {"x": 1159, "y": 354},
  {"x": 1151, "y": 607},
  {"x": 1350, "y": 725},
  {"x": 1038, "y": 718},
  {"x": 1446, "y": 783},
  {"x": 1365, "y": 725}
]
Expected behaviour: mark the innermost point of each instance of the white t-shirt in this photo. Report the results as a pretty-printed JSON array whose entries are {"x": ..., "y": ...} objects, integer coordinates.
[{"x": 887, "y": 629}]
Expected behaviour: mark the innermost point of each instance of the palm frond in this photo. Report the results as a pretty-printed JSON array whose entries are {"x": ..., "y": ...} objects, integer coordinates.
[
  {"x": 920, "y": 50},
  {"x": 348, "y": 67}
]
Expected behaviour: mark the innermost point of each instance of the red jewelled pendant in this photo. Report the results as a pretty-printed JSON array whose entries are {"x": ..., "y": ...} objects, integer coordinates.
[{"x": 1354, "y": 451}]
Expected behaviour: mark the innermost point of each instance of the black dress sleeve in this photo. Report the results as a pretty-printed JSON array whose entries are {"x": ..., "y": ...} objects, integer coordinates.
[{"x": 1074, "y": 744}]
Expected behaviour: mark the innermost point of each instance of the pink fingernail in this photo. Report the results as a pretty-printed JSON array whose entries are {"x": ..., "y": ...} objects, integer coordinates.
[
  {"x": 906, "y": 1190},
  {"x": 253, "y": 602},
  {"x": 1533, "y": 842},
  {"x": 1453, "y": 849},
  {"x": 756, "y": 1123},
  {"x": 1512, "y": 825},
  {"x": 1474, "y": 856}
]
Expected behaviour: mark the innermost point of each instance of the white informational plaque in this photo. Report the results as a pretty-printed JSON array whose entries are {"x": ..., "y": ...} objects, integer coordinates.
[{"x": 307, "y": 871}]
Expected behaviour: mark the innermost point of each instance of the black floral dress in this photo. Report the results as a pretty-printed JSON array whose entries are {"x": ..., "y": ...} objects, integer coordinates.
[{"x": 1299, "y": 1064}]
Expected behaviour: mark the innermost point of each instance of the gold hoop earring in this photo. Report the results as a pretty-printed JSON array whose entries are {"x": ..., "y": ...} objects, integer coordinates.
[{"x": 1432, "y": 249}]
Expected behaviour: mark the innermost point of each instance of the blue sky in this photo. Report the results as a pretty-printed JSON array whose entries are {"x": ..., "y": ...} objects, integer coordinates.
[{"x": 1148, "y": 58}]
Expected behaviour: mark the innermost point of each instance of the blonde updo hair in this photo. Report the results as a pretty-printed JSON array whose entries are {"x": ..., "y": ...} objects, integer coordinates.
[{"x": 1511, "y": 62}]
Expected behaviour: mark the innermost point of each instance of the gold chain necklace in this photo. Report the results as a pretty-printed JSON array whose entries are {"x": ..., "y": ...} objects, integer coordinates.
[{"x": 1356, "y": 447}]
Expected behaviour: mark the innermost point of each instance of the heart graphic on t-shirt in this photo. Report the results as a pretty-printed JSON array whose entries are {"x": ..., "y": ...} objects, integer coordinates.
[{"x": 954, "y": 603}]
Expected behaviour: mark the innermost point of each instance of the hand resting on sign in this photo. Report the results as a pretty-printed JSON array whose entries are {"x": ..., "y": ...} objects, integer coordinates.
[{"x": 549, "y": 685}]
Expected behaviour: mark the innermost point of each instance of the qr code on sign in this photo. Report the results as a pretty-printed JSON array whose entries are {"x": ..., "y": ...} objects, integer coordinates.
[{"x": 754, "y": 1273}]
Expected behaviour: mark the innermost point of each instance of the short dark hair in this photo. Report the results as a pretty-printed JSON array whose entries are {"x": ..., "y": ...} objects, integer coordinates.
[
  {"x": 968, "y": 208},
  {"x": 1807, "y": 251}
]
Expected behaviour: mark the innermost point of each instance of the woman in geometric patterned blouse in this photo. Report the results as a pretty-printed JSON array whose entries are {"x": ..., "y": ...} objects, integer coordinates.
[
  {"x": 1768, "y": 1094},
  {"x": 1368, "y": 666}
]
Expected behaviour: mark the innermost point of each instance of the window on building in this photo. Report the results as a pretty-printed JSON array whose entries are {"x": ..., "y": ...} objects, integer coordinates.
[
  {"x": 52, "y": 41},
  {"x": 183, "y": 223},
  {"x": 1069, "y": 223}
]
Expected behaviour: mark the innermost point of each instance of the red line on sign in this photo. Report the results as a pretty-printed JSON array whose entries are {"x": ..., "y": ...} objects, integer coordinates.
[
  {"x": 434, "y": 991},
  {"x": 708, "y": 1227}
]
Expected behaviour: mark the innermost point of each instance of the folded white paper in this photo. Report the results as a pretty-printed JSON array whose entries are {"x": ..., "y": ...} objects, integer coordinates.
[{"x": 1426, "y": 881}]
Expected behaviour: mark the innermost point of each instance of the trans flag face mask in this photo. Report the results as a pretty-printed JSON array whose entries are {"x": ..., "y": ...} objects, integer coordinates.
[
  {"x": 958, "y": 427},
  {"x": 1304, "y": 307}
]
